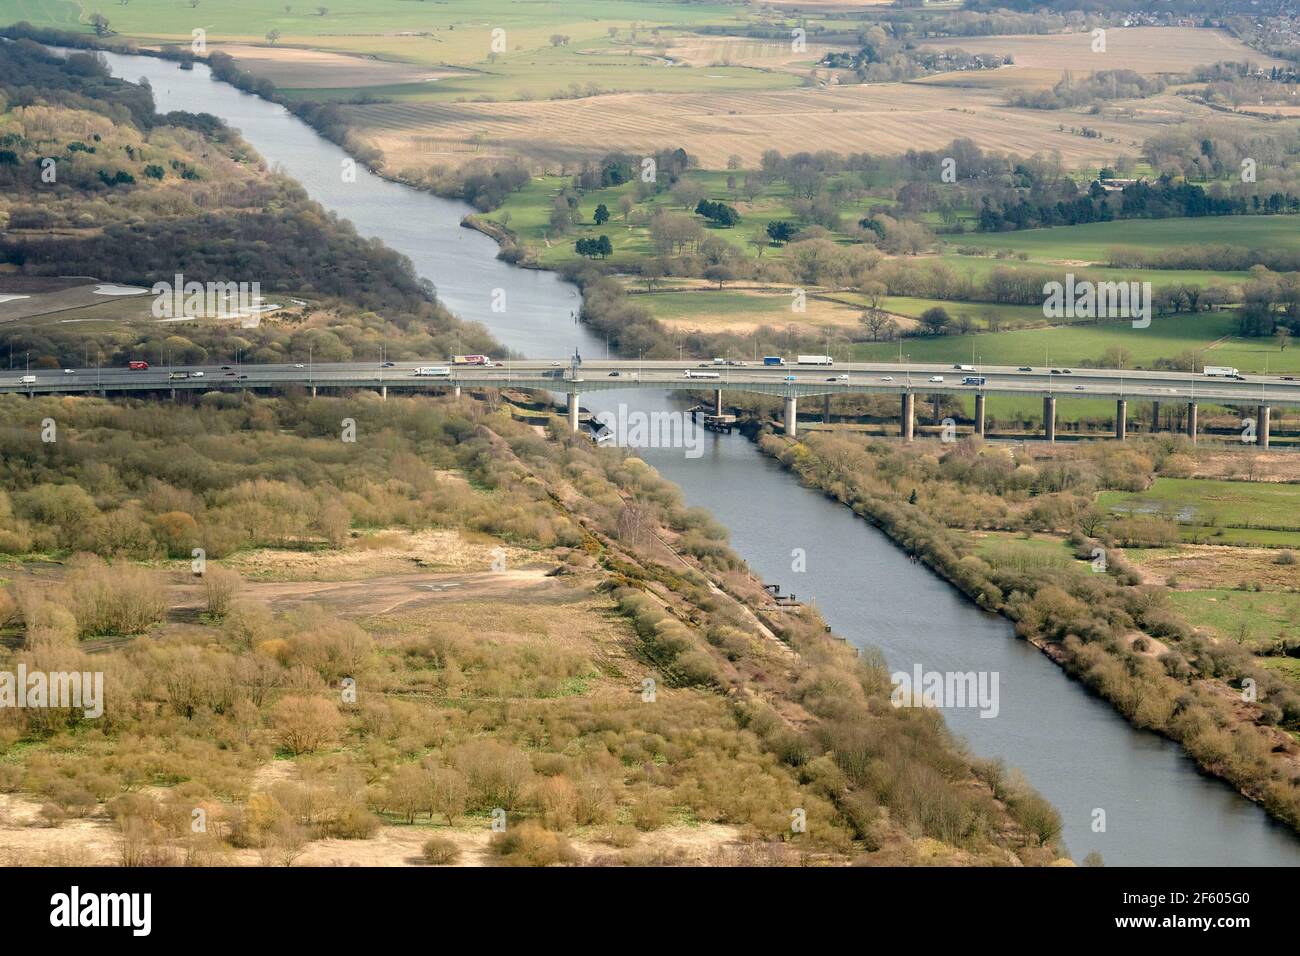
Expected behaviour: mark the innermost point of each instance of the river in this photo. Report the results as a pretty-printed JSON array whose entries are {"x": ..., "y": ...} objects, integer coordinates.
[{"x": 1070, "y": 745}]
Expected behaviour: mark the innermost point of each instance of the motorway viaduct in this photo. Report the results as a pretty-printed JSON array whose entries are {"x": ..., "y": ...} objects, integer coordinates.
[{"x": 791, "y": 382}]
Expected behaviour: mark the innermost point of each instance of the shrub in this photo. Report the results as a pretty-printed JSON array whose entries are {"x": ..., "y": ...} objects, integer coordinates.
[
  {"x": 529, "y": 844},
  {"x": 220, "y": 587},
  {"x": 116, "y": 599},
  {"x": 305, "y": 724},
  {"x": 440, "y": 851}
]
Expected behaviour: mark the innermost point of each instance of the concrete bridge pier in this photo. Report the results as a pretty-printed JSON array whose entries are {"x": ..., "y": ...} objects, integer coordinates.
[
  {"x": 455, "y": 392},
  {"x": 1191, "y": 421},
  {"x": 1121, "y": 418},
  {"x": 909, "y": 416},
  {"x": 1049, "y": 417},
  {"x": 1262, "y": 424},
  {"x": 791, "y": 415},
  {"x": 1155, "y": 416},
  {"x": 573, "y": 411},
  {"x": 383, "y": 392},
  {"x": 717, "y": 402},
  {"x": 979, "y": 414},
  {"x": 313, "y": 391}
]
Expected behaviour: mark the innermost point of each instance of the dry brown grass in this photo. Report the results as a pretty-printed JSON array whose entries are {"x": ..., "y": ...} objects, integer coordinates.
[
  {"x": 319, "y": 69},
  {"x": 744, "y": 51},
  {"x": 877, "y": 118},
  {"x": 1039, "y": 60},
  {"x": 1208, "y": 567},
  {"x": 373, "y": 555}
]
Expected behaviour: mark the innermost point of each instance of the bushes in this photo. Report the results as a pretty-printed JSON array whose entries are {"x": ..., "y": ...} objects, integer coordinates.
[
  {"x": 219, "y": 588},
  {"x": 305, "y": 724},
  {"x": 440, "y": 851},
  {"x": 497, "y": 774},
  {"x": 529, "y": 844},
  {"x": 112, "y": 599}
]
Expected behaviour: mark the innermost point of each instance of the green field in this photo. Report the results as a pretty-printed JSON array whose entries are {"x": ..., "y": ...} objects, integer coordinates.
[
  {"x": 1090, "y": 242},
  {"x": 1027, "y": 554},
  {"x": 1211, "y": 503},
  {"x": 531, "y": 23},
  {"x": 449, "y": 32},
  {"x": 1250, "y": 617},
  {"x": 979, "y": 267},
  {"x": 528, "y": 214},
  {"x": 1167, "y": 337}
]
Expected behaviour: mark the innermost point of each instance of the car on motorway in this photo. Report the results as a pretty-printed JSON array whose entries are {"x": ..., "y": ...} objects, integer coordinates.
[
  {"x": 243, "y": 376},
  {"x": 196, "y": 375},
  {"x": 556, "y": 364},
  {"x": 1288, "y": 378},
  {"x": 69, "y": 371},
  {"x": 389, "y": 364},
  {"x": 936, "y": 378},
  {"x": 225, "y": 368},
  {"x": 299, "y": 365},
  {"x": 1065, "y": 371},
  {"x": 1055, "y": 371},
  {"x": 844, "y": 376},
  {"x": 230, "y": 375},
  {"x": 614, "y": 374},
  {"x": 792, "y": 378},
  {"x": 1080, "y": 388},
  {"x": 1026, "y": 368},
  {"x": 887, "y": 378},
  {"x": 833, "y": 378}
]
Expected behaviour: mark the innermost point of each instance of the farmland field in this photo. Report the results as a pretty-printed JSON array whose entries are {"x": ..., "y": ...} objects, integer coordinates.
[
  {"x": 876, "y": 118},
  {"x": 1040, "y": 60},
  {"x": 1091, "y": 241},
  {"x": 742, "y": 311},
  {"x": 1212, "y": 333},
  {"x": 1203, "y": 501}
]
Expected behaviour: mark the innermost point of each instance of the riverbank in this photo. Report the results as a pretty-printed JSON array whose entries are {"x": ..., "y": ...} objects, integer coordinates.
[
  {"x": 1067, "y": 742},
  {"x": 1106, "y": 630}
]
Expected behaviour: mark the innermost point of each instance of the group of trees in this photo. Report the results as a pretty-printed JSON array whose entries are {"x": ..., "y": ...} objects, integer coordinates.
[
  {"x": 594, "y": 247},
  {"x": 233, "y": 223},
  {"x": 1097, "y": 87},
  {"x": 1140, "y": 200},
  {"x": 885, "y": 57},
  {"x": 717, "y": 212}
]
